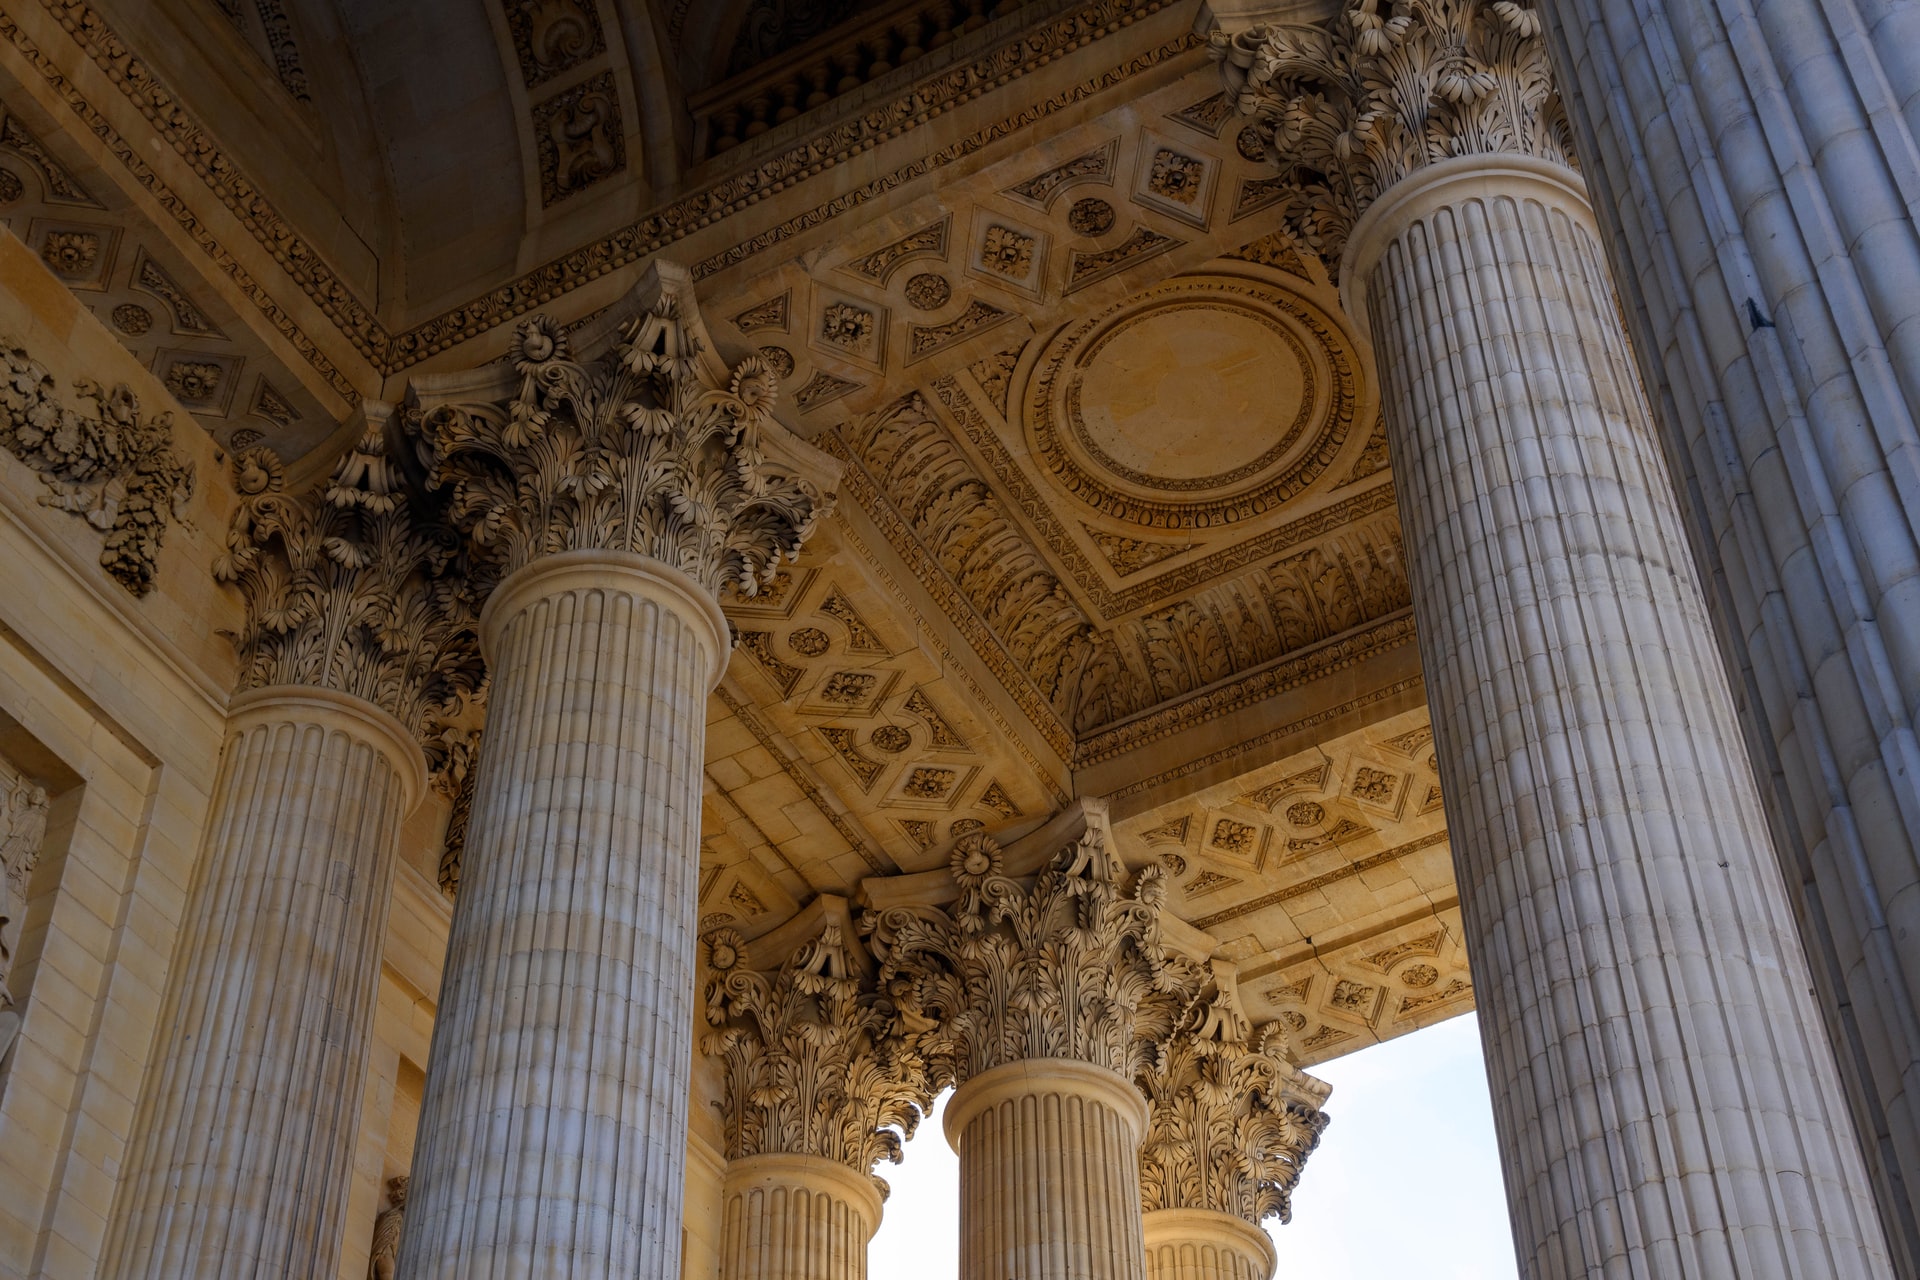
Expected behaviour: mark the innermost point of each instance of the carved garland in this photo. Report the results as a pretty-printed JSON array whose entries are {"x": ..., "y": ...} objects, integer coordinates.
[
  {"x": 1353, "y": 107},
  {"x": 1058, "y": 969},
  {"x": 815, "y": 1060},
  {"x": 634, "y": 451},
  {"x": 348, "y": 588}
]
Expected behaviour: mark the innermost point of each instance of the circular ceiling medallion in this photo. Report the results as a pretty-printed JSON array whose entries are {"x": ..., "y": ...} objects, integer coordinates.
[{"x": 1202, "y": 401}]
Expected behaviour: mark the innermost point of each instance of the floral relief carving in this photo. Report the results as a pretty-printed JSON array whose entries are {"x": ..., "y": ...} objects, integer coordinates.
[
  {"x": 1007, "y": 252},
  {"x": 845, "y": 325},
  {"x": 1231, "y": 1121},
  {"x": 635, "y": 451},
  {"x": 349, "y": 587},
  {"x": 110, "y": 463},
  {"x": 1058, "y": 967},
  {"x": 1352, "y": 107},
  {"x": 927, "y": 291},
  {"x": 816, "y": 1060},
  {"x": 194, "y": 381},
  {"x": 579, "y": 137},
  {"x": 23, "y": 830},
  {"x": 1176, "y": 177},
  {"x": 72, "y": 255}
]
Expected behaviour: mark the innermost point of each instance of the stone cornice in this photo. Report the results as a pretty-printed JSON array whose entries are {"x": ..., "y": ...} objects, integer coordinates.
[{"x": 388, "y": 351}]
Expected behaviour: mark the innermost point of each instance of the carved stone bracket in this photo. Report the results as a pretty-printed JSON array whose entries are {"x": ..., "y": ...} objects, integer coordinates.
[
  {"x": 815, "y": 1062},
  {"x": 651, "y": 447},
  {"x": 1232, "y": 1122},
  {"x": 110, "y": 463},
  {"x": 349, "y": 587},
  {"x": 1057, "y": 968},
  {"x": 1350, "y": 108}
]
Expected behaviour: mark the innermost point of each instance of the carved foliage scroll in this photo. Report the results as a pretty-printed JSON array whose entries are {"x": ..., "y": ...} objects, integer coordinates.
[
  {"x": 349, "y": 588},
  {"x": 815, "y": 1062},
  {"x": 106, "y": 461},
  {"x": 1350, "y": 108},
  {"x": 1060, "y": 968},
  {"x": 635, "y": 451}
]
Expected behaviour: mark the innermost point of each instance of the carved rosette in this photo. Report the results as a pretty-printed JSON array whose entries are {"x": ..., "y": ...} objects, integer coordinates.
[
  {"x": 815, "y": 1064},
  {"x": 1352, "y": 107},
  {"x": 638, "y": 450},
  {"x": 1232, "y": 1122},
  {"x": 349, "y": 587},
  {"x": 1059, "y": 968},
  {"x": 111, "y": 464}
]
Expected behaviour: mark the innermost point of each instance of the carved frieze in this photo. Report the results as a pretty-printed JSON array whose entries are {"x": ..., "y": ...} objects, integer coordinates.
[
  {"x": 1232, "y": 1122},
  {"x": 1350, "y": 108},
  {"x": 349, "y": 587},
  {"x": 816, "y": 1060},
  {"x": 106, "y": 461},
  {"x": 638, "y": 450},
  {"x": 1057, "y": 967}
]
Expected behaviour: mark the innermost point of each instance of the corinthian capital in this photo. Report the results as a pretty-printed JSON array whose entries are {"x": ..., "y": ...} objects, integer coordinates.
[
  {"x": 348, "y": 587},
  {"x": 653, "y": 447},
  {"x": 1059, "y": 966},
  {"x": 1350, "y": 108},
  {"x": 1232, "y": 1122},
  {"x": 813, "y": 1062}
]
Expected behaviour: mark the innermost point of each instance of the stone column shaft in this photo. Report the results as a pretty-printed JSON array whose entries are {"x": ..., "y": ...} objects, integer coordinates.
[
  {"x": 1049, "y": 1172},
  {"x": 1756, "y": 166},
  {"x": 795, "y": 1217},
  {"x": 1665, "y": 1094},
  {"x": 243, "y": 1158},
  {"x": 553, "y": 1130},
  {"x": 1201, "y": 1244}
]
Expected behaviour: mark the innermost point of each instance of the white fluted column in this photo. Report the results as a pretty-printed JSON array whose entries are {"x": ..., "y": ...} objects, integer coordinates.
[
  {"x": 1049, "y": 1172},
  {"x": 796, "y": 1217},
  {"x": 1666, "y": 1098},
  {"x": 243, "y": 1159},
  {"x": 1201, "y": 1244},
  {"x": 1756, "y": 165},
  {"x": 553, "y": 1127}
]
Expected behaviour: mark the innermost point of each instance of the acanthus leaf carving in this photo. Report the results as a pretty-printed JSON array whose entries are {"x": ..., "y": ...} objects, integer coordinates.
[
  {"x": 111, "y": 464},
  {"x": 1231, "y": 1120},
  {"x": 815, "y": 1061},
  {"x": 350, "y": 587},
  {"x": 638, "y": 450},
  {"x": 1059, "y": 967},
  {"x": 1384, "y": 88}
]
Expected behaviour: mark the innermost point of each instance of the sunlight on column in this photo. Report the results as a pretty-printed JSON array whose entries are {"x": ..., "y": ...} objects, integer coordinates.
[{"x": 1412, "y": 1125}]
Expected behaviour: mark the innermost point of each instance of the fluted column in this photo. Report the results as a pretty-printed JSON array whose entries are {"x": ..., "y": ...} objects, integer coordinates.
[
  {"x": 1754, "y": 169},
  {"x": 1200, "y": 1244},
  {"x": 819, "y": 1085},
  {"x": 559, "y": 1070},
  {"x": 1233, "y": 1123},
  {"x": 1026, "y": 992},
  {"x": 796, "y": 1217},
  {"x": 1665, "y": 1093},
  {"x": 1049, "y": 1172},
  {"x": 243, "y": 1147},
  {"x": 617, "y": 495}
]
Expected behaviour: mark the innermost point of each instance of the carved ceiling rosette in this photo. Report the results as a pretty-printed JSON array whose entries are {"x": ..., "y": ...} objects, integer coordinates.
[
  {"x": 351, "y": 587},
  {"x": 1232, "y": 1122},
  {"x": 815, "y": 1063},
  {"x": 642, "y": 449},
  {"x": 1060, "y": 967},
  {"x": 1352, "y": 107}
]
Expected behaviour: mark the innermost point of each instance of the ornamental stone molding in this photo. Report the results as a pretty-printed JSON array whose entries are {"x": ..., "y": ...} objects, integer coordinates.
[
  {"x": 814, "y": 1059},
  {"x": 23, "y": 830},
  {"x": 1059, "y": 966},
  {"x": 351, "y": 587},
  {"x": 653, "y": 447},
  {"x": 1350, "y": 108},
  {"x": 109, "y": 463},
  {"x": 1232, "y": 1121}
]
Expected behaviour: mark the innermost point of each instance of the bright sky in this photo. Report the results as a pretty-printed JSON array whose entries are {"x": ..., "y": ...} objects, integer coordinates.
[{"x": 1412, "y": 1127}]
